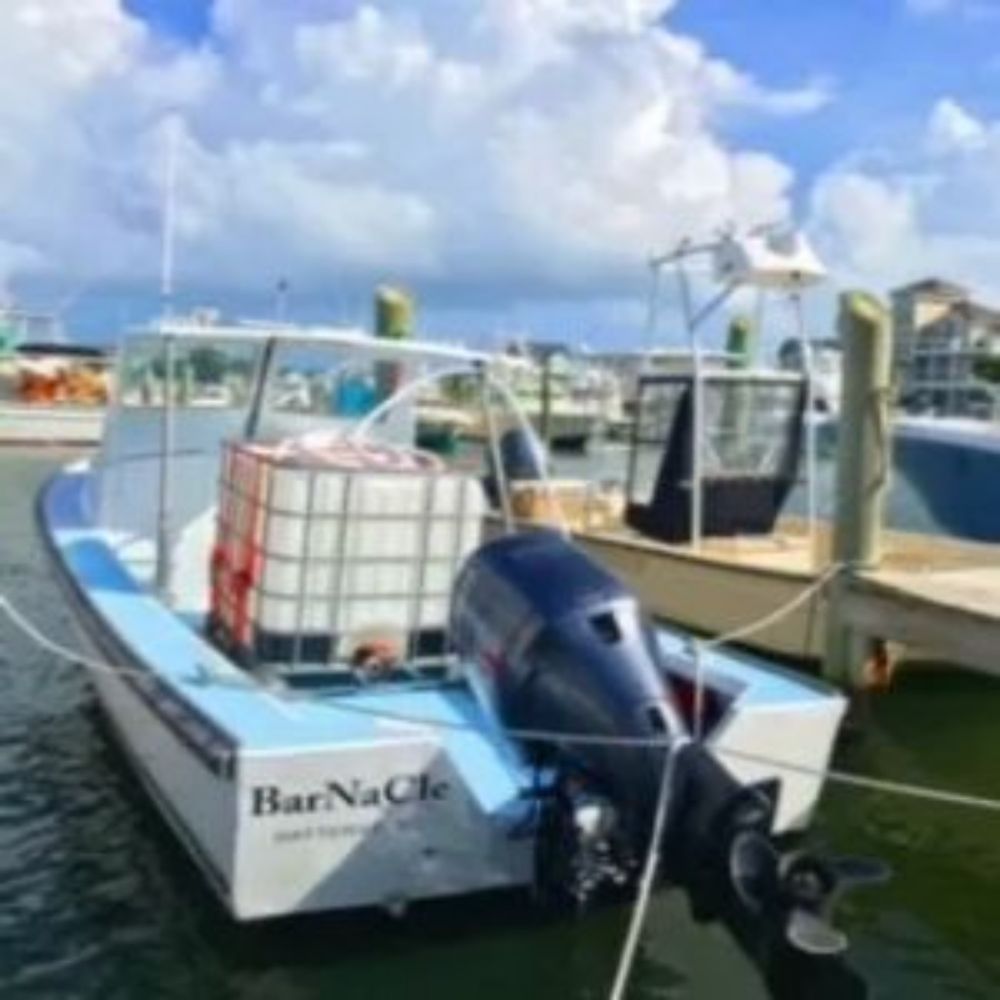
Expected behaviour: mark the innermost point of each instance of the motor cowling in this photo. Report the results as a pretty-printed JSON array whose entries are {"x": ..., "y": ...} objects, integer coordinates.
[{"x": 560, "y": 646}]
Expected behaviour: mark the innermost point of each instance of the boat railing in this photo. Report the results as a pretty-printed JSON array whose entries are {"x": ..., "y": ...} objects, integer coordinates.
[{"x": 172, "y": 450}]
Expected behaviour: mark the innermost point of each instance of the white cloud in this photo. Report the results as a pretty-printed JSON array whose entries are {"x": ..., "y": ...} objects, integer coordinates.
[
  {"x": 548, "y": 144},
  {"x": 932, "y": 210},
  {"x": 952, "y": 129}
]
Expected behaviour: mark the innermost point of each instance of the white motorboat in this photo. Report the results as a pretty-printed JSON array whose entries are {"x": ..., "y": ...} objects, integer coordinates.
[
  {"x": 51, "y": 391},
  {"x": 338, "y": 698}
]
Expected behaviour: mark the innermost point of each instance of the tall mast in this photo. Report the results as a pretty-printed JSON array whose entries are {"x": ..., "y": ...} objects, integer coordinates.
[{"x": 164, "y": 528}]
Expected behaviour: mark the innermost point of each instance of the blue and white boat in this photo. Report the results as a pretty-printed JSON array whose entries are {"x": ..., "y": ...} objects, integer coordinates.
[
  {"x": 953, "y": 464},
  {"x": 517, "y": 743}
]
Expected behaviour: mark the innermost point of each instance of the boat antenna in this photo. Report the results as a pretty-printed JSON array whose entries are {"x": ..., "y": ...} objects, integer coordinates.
[
  {"x": 172, "y": 131},
  {"x": 164, "y": 528}
]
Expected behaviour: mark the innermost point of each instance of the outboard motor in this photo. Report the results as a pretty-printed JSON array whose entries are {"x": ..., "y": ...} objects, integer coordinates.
[
  {"x": 561, "y": 647},
  {"x": 566, "y": 660}
]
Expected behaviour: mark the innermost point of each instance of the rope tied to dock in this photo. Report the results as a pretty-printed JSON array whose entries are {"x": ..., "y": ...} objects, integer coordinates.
[
  {"x": 811, "y": 590},
  {"x": 903, "y": 789},
  {"x": 700, "y": 646}
]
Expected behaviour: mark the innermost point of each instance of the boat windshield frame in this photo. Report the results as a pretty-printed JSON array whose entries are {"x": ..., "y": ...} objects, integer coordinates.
[{"x": 267, "y": 339}]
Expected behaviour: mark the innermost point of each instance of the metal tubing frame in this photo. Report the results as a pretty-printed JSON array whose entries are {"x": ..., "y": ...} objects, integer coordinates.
[
  {"x": 503, "y": 487},
  {"x": 812, "y": 455},
  {"x": 489, "y": 382},
  {"x": 164, "y": 529},
  {"x": 653, "y": 314},
  {"x": 693, "y": 321}
]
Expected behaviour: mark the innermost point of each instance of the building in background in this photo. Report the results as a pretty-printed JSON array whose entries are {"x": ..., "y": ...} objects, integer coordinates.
[{"x": 947, "y": 350}]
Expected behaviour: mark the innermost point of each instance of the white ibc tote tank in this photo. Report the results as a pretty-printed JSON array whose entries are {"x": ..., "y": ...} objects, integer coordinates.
[{"x": 325, "y": 545}]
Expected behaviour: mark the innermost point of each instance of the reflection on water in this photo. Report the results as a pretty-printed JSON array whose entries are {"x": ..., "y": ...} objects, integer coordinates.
[{"x": 96, "y": 900}]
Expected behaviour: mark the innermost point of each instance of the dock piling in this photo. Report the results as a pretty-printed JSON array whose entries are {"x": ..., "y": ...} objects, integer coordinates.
[
  {"x": 394, "y": 320},
  {"x": 741, "y": 343},
  {"x": 393, "y": 313},
  {"x": 863, "y": 466}
]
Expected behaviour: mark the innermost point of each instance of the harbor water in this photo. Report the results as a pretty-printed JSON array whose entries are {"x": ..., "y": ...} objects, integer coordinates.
[{"x": 97, "y": 901}]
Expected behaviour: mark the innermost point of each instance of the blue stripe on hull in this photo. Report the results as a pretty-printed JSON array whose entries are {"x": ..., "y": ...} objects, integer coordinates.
[{"x": 91, "y": 560}]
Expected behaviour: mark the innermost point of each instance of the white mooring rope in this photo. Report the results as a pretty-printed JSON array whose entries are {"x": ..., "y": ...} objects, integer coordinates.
[
  {"x": 648, "y": 878},
  {"x": 21, "y": 622},
  {"x": 759, "y": 624}
]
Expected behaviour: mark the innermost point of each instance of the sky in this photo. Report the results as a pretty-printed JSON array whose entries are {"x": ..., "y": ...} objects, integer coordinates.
[{"x": 513, "y": 162}]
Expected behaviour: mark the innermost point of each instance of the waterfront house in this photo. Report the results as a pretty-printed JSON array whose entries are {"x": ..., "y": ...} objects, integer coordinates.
[{"x": 947, "y": 350}]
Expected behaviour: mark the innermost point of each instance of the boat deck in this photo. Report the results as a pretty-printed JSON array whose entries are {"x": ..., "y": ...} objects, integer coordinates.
[
  {"x": 951, "y": 614},
  {"x": 790, "y": 549},
  {"x": 938, "y": 594},
  {"x": 222, "y": 709},
  {"x": 253, "y": 717}
]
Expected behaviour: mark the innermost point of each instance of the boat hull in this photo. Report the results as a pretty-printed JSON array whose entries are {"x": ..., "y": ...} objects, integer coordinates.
[
  {"x": 932, "y": 599},
  {"x": 713, "y": 596},
  {"x": 55, "y": 425},
  {"x": 956, "y": 472},
  {"x": 302, "y": 805}
]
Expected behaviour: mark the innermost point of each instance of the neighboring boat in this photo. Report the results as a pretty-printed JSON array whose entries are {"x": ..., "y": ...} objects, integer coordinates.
[
  {"x": 569, "y": 399},
  {"x": 704, "y": 537},
  {"x": 51, "y": 392},
  {"x": 625, "y": 367},
  {"x": 953, "y": 464},
  {"x": 338, "y": 698},
  {"x": 443, "y": 425}
]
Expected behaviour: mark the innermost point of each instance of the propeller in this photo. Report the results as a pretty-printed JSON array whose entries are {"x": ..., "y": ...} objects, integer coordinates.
[
  {"x": 778, "y": 905},
  {"x": 800, "y": 888},
  {"x": 811, "y": 934}
]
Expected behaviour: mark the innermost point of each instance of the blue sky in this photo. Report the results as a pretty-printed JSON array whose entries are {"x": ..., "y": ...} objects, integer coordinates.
[
  {"x": 512, "y": 161},
  {"x": 184, "y": 19},
  {"x": 888, "y": 61}
]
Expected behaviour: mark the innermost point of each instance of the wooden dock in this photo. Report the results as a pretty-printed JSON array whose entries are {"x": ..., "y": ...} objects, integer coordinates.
[{"x": 948, "y": 614}]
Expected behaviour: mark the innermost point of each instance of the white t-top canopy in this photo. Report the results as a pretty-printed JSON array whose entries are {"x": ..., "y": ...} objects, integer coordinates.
[{"x": 779, "y": 259}]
